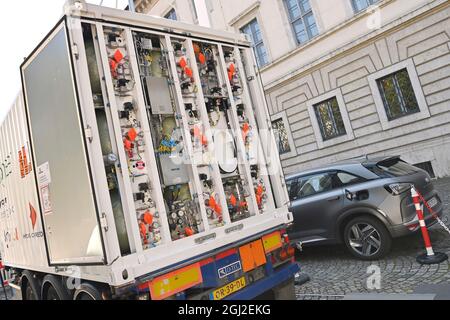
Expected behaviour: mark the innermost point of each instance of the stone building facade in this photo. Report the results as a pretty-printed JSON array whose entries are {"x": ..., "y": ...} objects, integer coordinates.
[{"x": 345, "y": 78}]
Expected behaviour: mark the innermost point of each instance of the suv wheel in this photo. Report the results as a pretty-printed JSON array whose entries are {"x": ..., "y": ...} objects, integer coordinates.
[{"x": 367, "y": 238}]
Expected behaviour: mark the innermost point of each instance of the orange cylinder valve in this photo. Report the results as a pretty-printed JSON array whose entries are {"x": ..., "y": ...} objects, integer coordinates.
[
  {"x": 201, "y": 58},
  {"x": 143, "y": 229},
  {"x": 148, "y": 218},
  {"x": 188, "y": 72},
  {"x": 189, "y": 232},
  {"x": 182, "y": 63},
  {"x": 132, "y": 134}
]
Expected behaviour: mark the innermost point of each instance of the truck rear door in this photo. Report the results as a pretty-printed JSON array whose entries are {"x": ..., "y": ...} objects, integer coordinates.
[{"x": 61, "y": 166}]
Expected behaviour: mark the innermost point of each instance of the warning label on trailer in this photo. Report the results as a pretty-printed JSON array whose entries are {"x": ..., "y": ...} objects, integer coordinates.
[
  {"x": 44, "y": 180},
  {"x": 44, "y": 177}
]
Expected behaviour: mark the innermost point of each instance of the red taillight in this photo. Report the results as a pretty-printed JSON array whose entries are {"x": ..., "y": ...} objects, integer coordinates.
[{"x": 287, "y": 253}]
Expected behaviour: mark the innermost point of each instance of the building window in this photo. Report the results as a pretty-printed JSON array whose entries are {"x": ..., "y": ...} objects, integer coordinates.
[
  {"x": 172, "y": 15},
  {"x": 360, "y": 5},
  {"x": 281, "y": 136},
  {"x": 194, "y": 10},
  {"x": 398, "y": 95},
  {"x": 253, "y": 30},
  {"x": 330, "y": 119},
  {"x": 302, "y": 20}
]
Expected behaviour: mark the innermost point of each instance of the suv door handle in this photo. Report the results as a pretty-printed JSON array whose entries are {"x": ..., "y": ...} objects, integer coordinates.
[{"x": 334, "y": 199}]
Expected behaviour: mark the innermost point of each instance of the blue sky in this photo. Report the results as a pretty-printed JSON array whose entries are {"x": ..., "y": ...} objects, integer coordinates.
[{"x": 24, "y": 24}]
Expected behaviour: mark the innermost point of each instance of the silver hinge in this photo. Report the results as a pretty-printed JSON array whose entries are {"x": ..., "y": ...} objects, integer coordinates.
[
  {"x": 88, "y": 133},
  {"x": 104, "y": 222},
  {"x": 75, "y": 51}
]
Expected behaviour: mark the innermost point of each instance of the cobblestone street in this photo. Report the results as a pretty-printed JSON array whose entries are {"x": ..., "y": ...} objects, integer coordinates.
[{"x": 335, "y": 273}]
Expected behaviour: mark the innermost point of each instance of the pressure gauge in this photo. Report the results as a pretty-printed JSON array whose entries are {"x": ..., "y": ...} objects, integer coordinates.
[
  {"x": 155, "y": 225},
  {"x": 181, "y": 213},
  {"x": 174, "y": 215}
]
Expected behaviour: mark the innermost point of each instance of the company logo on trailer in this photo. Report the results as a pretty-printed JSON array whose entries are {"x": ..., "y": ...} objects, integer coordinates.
[
  {"x": 230, "y": 269},
  {"x": 33, "y": 218},
  {"x": 25, "y": 166}
]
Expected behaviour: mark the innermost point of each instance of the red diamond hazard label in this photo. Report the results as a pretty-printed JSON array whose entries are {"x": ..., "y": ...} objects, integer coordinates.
[{"x": 33, "y": 216}]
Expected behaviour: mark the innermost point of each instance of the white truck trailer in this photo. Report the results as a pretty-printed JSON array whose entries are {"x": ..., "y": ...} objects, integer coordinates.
[{"x": 139, "y": 162}]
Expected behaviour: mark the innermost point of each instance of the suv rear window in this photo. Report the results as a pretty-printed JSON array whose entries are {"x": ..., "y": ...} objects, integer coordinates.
[{"x": 392, "y": 168}]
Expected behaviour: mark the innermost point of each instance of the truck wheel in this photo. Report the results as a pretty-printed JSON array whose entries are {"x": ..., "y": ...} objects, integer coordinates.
[
  {"x": 367, "y": 238},
  {"x": 285, "y": 291},
  {"x": 53, "y": 289},
  {"x": 32, "y": 288},
  {"x": 88, "y": 291}
]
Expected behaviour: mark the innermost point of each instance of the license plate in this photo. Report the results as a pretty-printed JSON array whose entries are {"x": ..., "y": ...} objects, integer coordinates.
[
  {"x": 433, "y": 202},
  {"x": 229, "y": 289}
]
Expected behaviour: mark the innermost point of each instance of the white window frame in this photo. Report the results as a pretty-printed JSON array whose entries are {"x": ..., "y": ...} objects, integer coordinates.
[
  {"x": 424, "y": 112},
  {"x": 247, "y": 16},
  {"x": 169, "y": 11},
  {"x": 288, "y": 16},
  {"x": 352, "y": 2},
  {"x": 321, "y": 143},
  {"x": 255, "y": 45},
  {"x": 282, "y": 115}
]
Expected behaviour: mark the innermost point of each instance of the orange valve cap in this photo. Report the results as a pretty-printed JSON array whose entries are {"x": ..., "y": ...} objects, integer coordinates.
[
  {"x": 143, "y": 229},
  {"x": 132, "y": 134},
  {"x": 118, "y": 56},
  {"x": 233, "y": 200},
  {"x": 128, "y": 144},
  {"x": 232, "y": 69},
  {"x": 201, "y": 58},
  {"x": 189, "y": 232},
  {"x": 148, "y": 218},
  {"x": 182, "y": 63},
  {"x": 196, "y": 49},
  {"x": 197, "y": 132},
  {"x": 260, "y": 190},
  {"x": 188, "y": 72},
  {"x": 112, "y": 64},
  {"x": 204, "y": 140}
]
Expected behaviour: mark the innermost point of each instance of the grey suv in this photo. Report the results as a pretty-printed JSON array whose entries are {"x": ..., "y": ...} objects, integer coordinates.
[{"x": 362, "y": 203}]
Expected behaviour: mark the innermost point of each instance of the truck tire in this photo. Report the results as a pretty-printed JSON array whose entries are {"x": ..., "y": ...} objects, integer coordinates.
[
  {"x": 88, "y": 291},
  {"x": 53, "y": 289},
  {"x": 32, "y": 286},
  {"x": 285, "y": 291}
]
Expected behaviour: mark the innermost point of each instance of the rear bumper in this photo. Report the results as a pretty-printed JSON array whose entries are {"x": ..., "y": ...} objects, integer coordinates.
[
  {"x": 262, "y": 286},
  {"x": 413, "y": 226}
]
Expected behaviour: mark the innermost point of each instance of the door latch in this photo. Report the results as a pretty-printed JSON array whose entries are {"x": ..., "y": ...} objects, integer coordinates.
[
  {"x": 104, "y": 222},
  {"x": 88, "y": 134}
]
